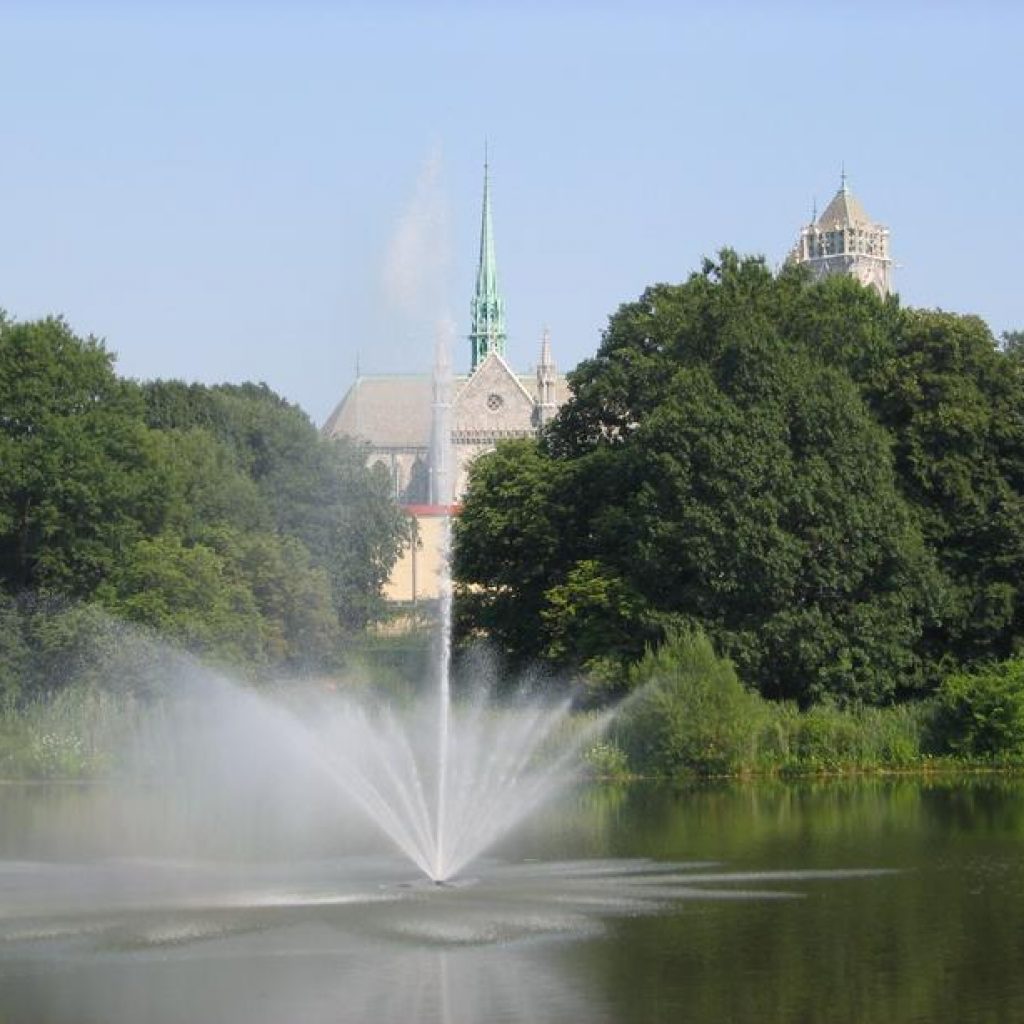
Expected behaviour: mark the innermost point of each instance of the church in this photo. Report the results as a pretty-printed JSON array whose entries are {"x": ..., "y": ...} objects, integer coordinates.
[{"x": 415, "y": 424}]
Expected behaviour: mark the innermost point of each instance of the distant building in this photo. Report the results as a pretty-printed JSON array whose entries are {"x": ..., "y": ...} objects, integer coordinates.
[
  {"x": 406, "y": 418},
  {"x": 844, "y": 240}
]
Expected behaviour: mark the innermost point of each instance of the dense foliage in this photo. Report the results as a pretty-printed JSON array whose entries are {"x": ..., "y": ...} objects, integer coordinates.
[
  {"x": 826, "y": 483},
  {"x": 690, "y": 714},
  {"x": 980, "y": 715},
  {"x": 217, "y": 516}
]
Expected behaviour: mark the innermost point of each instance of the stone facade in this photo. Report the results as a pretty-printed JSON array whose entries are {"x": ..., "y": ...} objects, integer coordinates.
[
  {"x": 393, "y": 415},
  {"x": 844, "y": 240},
  {"x": 415, "y": 575}
]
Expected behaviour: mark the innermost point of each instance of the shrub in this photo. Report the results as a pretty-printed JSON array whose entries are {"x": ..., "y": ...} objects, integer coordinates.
[
  {"x": 607, "y": 760},
  {"x": 690, "y": 712},
  {"x": 981, "y": 714}
]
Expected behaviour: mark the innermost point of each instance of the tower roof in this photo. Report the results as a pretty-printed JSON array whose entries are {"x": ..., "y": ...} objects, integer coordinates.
[
  {"x": 487, "y": 329},
  {"x": 844, "y": 209}
]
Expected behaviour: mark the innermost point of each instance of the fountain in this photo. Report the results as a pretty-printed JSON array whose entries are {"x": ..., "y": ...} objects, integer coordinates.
[
  {"x": 443, "y": 779},
  {"x": 490, "y": 767}
]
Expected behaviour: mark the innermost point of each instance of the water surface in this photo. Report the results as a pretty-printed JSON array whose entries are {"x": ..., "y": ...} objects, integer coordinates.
[{"x": 843, "y": 901}]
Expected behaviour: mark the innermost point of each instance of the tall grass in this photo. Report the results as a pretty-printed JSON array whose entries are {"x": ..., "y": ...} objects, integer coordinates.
[{"x": 72, "y": 734}]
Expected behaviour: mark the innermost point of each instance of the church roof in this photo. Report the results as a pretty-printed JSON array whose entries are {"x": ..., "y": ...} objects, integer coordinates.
[
  {"x": 845, "y": 209},
  {"x": 394, "y": 411},
  {"x": 388, "y": 411}
]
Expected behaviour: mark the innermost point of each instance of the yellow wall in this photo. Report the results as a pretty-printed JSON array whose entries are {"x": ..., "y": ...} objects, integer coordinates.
[{"x": 416, "y": 575}]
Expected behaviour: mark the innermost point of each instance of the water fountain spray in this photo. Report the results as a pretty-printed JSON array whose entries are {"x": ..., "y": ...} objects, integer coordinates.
[{"x": 441, "y": 494}]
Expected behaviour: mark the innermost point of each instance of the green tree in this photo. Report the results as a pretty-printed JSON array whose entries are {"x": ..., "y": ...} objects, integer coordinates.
[
  {"x": 718, "y": 471},
  {"x": 188, "y": 593},
  {"x": 316, "y": 491},
  {"x": 13, "y": 652},
  {"x": 951, "y": 400},
  {"x": 506, "y": 544},
  {"x": 79, "y": 483},
  {"x": 689, "y": 712},
  {"x": 980, "y": 714},
  {"x": 217, "y": 516},
  {"x": 299, "y": 628},
  {"x": 206, "y": 488}
]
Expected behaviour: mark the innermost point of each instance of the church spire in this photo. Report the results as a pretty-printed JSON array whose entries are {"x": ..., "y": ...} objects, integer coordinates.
[{"x": 487, "y": 332}]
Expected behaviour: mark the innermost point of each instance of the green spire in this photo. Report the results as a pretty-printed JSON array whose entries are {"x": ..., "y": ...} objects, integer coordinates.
[{"x": 487, "y": 308}]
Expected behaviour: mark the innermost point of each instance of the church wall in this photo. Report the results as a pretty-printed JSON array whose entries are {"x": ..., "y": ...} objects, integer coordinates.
[
  {"x": 407, "y": 468},
  {"x": 417, "y": 573},
  {"x": 465, "y": 453}
]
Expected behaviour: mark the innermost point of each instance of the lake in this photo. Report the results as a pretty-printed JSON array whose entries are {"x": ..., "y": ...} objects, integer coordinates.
[{"x": 891, "y": 900}]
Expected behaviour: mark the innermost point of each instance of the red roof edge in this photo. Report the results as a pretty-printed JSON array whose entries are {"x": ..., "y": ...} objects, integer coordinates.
[{"x": 426, "y": 511}]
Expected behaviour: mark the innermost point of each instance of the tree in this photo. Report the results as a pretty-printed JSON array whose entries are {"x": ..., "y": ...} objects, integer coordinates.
[
  {"x": 217, "y": 516},
  {"x": 710, "y": 469},
  {"x": 187, "y": 593},
  {"x": 980, "y": 714},
  {"x": 79, "y": 482},
  {"x": 952, "y": 402},
  {"x": 317, "y": 491},
  {"x": 13, "y": 652},
  {"x": 690, "y": 712},
  {"x": 506, "y": 542}
]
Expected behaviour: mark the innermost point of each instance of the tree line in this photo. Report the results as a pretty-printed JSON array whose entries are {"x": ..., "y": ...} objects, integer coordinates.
[
  {"x": 216, "y": 516},
  {"x": 828, "y": 485}
]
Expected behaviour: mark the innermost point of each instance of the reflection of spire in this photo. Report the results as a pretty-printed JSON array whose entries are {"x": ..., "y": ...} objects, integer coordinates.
[{"x": 487, "y": 329}]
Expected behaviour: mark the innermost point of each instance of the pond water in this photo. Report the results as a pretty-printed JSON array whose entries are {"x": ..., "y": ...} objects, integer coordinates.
[{"x": 880, "y": 900}]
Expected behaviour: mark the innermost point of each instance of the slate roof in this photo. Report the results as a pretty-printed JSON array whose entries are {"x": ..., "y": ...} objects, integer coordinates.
[
  {"x": 844, "y": 209},
  {"x": 394, "y": 410},
  {"x": 387, "y": 411}
]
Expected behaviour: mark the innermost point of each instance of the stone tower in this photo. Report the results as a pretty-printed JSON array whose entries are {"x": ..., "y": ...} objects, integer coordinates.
[
  {"x": 844, "y": 240},
  {"x": 487, "y": 310},
  {"x": 547, "y": 382}
]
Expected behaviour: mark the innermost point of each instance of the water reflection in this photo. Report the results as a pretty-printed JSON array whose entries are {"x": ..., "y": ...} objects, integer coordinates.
[
  {"x": 895, "y": 901},
  {"x": 341, "y": 941}
]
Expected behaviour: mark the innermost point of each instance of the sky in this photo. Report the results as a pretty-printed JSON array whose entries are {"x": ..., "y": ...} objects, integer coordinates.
[{"x": 282, "y": 192}]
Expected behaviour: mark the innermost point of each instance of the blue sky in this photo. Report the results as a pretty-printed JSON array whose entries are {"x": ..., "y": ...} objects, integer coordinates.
[{"x": 231, "y": 191}]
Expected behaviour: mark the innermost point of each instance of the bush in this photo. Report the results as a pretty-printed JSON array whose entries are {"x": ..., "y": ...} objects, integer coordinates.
[
  {"x": 690, "y": 712},
  {"x": 607, "y": 760},
  {"x": 980, "y": 714}
]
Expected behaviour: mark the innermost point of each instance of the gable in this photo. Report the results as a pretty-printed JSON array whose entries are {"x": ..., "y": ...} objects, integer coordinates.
[{"x": 493, "y": 401}]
